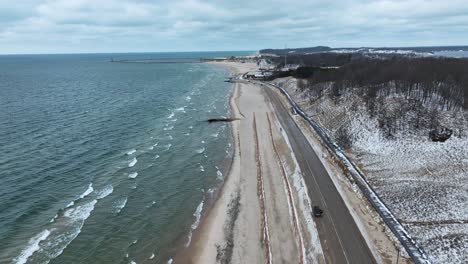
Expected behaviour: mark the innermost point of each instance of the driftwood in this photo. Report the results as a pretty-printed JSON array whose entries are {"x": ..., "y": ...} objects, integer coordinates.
[{"x": 212, "y": 120}]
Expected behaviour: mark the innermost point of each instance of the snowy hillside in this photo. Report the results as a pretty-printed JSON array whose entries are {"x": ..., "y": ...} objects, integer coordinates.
[{"x": 425, "y": 183}]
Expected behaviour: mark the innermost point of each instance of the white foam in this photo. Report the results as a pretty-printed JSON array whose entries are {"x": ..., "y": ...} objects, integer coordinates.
[
  {"x": 215, "y": 135},
  {"x": 73, "y": 221},
  {"x": 152, "y": 256},
  {"x": 170, "y": 137},
  {"x": 133, "y": 262},
  {"x": 70, "y": 204},
  {"x": 135, "y": 241},
  {"x": 200, "y": 150},
  {"x": 156, "y": 157},
  {"x": 202, "y": 168},
  {"x": 131, "y": 152},
  {"x": 120, "y": 204},
  {"x": 219, "y": 175},
  {"x": 33, "y": 246},
  {"x": 195, "y": 224},
  {"x": 88, "y": 191},
  {"x": 53, "y": 219},
  {"x": 181, "y": 109},
  {"x": 171, "y": 115},
  {"x": 169, "y": 261},
  {"x": 168, "y": 128},
  {"x": 203, "y": 141},
  {"x": 108, "y": 189},
  {"x": 188, "y": 98},
  {"x": 133, "y": 175},
  {"x": 168, "y": 146},
  {"x": 132, "y": 162},
  {"x": 173, "y": 120},
  {"x": 151, "y": 148}
]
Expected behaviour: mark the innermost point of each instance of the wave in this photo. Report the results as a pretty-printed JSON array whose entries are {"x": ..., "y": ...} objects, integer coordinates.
[
  {"x": 132, "y": 162},
  {"x": 133, "y": 175},
  {"x": 131, "y": 152},
  {"x": 120, "y": 204},
  {"x": 88, "y": 191},
  {"x": 173, "y": 120},
  {"x": 152, "y": 256},
  {"x": 188, "y": 98},
  {"x": 53, "y": 218},
  {"x": 168, "y": 146},
  {"x": 180, "y": 109},
  {"x": 65, "y": 229},
  {"x": 202, "y": 168},
  {"x": 195, "y": 224},
  {"x": 219, "y": 175},
  {"x": 108, "y": 189},
  {"x": 200, "y": 150},
  {"x": 156, "y": 157},
  {"x": 215, "y": 135},
  {"x": 33, "y": 246},
  {"x": 168, "y": 128},
  {"x": 171, "y": 115}
]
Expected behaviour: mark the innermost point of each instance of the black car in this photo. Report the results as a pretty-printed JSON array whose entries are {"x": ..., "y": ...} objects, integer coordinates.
[{"x": 317, "y": 211}]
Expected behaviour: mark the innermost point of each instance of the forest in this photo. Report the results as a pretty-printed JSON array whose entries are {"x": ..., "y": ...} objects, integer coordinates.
[{"x": 410, "y": 95}]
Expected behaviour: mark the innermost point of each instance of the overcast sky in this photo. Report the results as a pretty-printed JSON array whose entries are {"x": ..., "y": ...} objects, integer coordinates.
[{"x": 69, "y": 26}]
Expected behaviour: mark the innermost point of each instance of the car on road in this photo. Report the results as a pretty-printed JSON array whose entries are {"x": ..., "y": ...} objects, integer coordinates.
[
  {"x": 317, "y": 211},
  {"x": 293, "y": 111}
]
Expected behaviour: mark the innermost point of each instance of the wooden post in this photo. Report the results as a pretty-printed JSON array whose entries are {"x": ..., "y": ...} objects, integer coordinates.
[{"x": 398, "y": 256}]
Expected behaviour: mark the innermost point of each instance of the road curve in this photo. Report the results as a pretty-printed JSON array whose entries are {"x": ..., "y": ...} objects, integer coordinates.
[{"x": 341, "y": 239}]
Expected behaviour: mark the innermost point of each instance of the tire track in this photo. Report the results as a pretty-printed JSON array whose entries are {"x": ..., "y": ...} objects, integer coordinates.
[
  {"x": 261, "y": 196},
  {"x": 292, "y": 206}
]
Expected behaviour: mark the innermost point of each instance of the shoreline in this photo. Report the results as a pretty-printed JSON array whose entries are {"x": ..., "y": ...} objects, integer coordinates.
[{"x": 183, "y": 253}]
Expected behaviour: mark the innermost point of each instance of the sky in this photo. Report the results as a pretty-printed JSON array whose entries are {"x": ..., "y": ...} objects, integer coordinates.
[{"x": 91, "y": 26}]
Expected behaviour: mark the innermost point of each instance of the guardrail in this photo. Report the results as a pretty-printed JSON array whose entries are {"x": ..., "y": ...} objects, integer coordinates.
[{"x": 414, "y": 250}]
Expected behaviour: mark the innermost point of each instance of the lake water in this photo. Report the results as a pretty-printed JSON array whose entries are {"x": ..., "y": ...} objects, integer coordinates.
[{"x": 107, "y": 162}]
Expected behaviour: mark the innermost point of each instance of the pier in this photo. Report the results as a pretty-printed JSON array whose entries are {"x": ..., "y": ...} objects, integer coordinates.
[{"x": 167, "y": 60}]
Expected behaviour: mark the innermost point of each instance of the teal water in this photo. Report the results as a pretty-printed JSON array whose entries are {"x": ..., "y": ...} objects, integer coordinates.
[{"x": 106, "y": 162}]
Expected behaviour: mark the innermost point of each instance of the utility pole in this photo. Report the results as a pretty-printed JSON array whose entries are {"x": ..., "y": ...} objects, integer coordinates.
[{"x": 285, "y": 54}]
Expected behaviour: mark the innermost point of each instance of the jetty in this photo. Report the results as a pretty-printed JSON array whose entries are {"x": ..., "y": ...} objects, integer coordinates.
[{"x": 166, "y": 60}]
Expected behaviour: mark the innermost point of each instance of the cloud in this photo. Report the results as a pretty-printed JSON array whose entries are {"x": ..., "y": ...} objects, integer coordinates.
[{"x": 42, "y": 26}]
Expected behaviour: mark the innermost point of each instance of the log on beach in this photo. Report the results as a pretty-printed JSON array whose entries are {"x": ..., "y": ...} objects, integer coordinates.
[{"x": 212, "y": 120}]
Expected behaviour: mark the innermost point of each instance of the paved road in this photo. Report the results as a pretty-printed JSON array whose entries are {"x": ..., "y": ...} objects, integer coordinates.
[{"x": 341, "y": 239}]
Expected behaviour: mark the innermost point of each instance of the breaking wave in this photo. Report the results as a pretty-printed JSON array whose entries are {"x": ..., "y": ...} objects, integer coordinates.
[
  {"x": 195, "y": 224},
  {"x": 33, "y": 246},
  {"x": 131, "y": 152},
  {"x": 120, "y": 204},
  {"x": 132, "y": 162}
]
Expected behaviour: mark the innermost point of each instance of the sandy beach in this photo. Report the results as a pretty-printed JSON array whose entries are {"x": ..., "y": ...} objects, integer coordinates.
[
  {"x": 263, "y": 213},
  {"x": 259, "y": 215}
]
